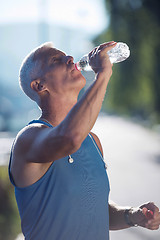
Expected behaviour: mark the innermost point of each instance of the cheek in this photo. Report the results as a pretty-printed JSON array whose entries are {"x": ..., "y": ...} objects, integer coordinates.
[
  {"x": 63, "y": 83},
  {"x": 56, "y": 78}
]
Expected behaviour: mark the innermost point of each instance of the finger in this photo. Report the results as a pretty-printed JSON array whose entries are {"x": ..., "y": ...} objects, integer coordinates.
[
  {"x": 156, "y": 209},
  {"x": 101, "y": 48},
  {"x": 144, "y": 210},
  {"x": 154, "y": 221},
  {"x": 92, "y": 52},
  {"x": 106, "y": 44},
  {"x": 107, "y": 47},
  {"x": 154, "y": 226},
  {"x": 96, "y": 49},
  {"x": 156, "y": 215},
  {"x": 151, "y": 206},
  {"x": 148, "y": 213}
]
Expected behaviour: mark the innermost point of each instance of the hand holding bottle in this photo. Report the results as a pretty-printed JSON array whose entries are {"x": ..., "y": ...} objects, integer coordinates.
[
  {"x": 99, "y": 60},
  {"x": 118, "y": 53}
]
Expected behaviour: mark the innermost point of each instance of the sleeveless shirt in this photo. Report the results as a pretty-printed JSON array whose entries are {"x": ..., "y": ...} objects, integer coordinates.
[{"x": 70, "y": 201}]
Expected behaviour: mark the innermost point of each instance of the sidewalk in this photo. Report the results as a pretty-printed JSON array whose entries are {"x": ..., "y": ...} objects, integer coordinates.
[{"x": 132, "y": 154}]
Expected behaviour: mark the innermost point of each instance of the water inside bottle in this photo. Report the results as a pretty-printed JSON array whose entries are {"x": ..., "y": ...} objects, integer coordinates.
[{"x": 117, "y": 54}]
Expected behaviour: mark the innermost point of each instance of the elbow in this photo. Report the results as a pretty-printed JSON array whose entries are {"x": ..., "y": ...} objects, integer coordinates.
[
  {"x": 71, "y": 138},
  {"x": 74, "y": 143}
]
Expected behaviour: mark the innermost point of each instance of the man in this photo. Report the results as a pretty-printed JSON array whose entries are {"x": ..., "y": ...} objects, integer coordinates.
[{"x": 57, "y": 166}]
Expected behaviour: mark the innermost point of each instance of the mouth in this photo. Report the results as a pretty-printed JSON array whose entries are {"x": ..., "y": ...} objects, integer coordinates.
[
  {"x": 73, "y": 67},
  {"x": 76, "y": 67}
]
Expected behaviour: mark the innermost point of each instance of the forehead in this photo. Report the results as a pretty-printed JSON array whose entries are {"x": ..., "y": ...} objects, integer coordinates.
[
  {"x": 54, "y": 52},
  {"x": 47, "y": 52}
]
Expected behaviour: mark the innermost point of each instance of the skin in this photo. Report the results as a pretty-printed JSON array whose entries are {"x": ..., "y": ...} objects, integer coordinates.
[{"x": 37, "y": 146}]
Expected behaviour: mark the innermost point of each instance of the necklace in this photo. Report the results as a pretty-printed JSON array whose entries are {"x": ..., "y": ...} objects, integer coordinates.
[{"x": 70, "y": 159}]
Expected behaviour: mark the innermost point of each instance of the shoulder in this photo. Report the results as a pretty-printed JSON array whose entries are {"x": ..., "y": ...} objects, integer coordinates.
[
  {"x": 24, "y": 172},
  {"x": 97, "y": 141},
  {"x": 26, "y": 137}
]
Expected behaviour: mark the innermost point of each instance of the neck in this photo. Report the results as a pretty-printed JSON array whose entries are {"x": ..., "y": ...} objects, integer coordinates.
[{"x": 55, "y": 110}]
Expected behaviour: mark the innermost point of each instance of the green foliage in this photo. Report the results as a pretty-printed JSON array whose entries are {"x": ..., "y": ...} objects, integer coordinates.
[
  {"x": 135, "y": 87},
  {"x": 9, "y": 217}
]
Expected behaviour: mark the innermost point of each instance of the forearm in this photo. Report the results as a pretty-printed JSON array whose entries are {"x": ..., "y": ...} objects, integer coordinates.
[
  {"x": 83, "y": 115},
  {"x": 147, "y": 216},
  {"x": 116, "y": 217},
  {"x": 67, "y": 137},
  {"x": 81, "y": 118}
]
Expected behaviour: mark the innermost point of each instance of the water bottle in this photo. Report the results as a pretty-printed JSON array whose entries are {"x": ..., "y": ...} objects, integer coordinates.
[{"x": 117, "y": 54}]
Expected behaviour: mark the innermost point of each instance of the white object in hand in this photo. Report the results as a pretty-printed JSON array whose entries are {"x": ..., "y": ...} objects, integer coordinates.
[{"x": 117, "y": 54}]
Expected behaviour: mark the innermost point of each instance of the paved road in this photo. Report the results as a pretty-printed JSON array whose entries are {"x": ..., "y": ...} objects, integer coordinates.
[
  {"x": 132, "y": 154},
  {"x": 6, "y": 140}
]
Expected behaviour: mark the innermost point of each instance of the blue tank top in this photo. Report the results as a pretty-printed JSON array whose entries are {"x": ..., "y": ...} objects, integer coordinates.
[{"x": 70, "y": 201}]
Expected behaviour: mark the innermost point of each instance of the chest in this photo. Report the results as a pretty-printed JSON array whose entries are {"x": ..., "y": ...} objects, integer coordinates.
[{"x": 85, "y": 174}]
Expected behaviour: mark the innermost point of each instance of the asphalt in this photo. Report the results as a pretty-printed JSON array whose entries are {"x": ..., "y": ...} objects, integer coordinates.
[{"x": 132, "y": 154}]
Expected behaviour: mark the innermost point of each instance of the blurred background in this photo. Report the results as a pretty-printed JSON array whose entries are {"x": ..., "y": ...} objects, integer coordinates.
[{"x": 129, "y": 123}]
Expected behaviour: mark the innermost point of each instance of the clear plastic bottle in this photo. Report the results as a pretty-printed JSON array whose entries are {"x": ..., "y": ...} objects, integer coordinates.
[{"x": 117, "y": 54}]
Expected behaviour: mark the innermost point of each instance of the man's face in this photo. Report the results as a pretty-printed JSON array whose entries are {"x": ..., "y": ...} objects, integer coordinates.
[{"x": 59, "y": 72}]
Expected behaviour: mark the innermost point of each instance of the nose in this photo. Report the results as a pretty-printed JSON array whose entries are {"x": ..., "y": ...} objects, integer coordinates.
[{"x": 70, "y": 59}]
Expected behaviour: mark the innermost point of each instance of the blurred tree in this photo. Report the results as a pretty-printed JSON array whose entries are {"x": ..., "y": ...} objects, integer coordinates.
[
  {"x": 135, "y": 85},
  {"x": 9, "y": 218}
]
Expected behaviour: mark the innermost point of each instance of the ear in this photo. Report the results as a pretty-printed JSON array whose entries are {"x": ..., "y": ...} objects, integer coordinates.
[{"x": 38, "y": 86}]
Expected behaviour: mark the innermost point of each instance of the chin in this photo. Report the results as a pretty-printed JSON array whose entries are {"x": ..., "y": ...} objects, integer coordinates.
[
  {"x": 80, "y": 78},
  {"x": 83, "y": 82}
]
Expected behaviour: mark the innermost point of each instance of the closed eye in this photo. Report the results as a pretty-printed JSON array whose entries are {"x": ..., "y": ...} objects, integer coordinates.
[{"x": 55, "y": 59}]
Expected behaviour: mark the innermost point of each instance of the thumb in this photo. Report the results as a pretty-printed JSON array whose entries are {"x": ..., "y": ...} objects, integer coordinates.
[
  {"x": 144, "y": 210},
  {"x": 148, "y": 213}
]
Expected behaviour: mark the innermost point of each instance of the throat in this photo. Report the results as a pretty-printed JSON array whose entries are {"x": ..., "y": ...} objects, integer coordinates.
[
  {"x": 55, "y": 116},
  {"x": 55, "y": 109}
]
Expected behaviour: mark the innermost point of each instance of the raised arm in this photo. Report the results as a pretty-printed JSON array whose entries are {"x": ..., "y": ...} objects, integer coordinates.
[{"x": 43, "y": 144}]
